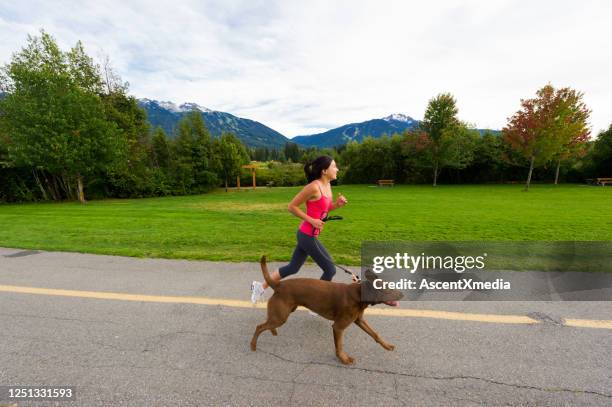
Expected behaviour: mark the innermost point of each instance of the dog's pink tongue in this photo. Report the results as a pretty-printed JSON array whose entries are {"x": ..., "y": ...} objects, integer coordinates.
[{"x": 392, "y": 303}]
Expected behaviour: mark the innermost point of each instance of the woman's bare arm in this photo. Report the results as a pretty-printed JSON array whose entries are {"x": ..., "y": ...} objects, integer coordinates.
[{"x": 340, "y": 202}]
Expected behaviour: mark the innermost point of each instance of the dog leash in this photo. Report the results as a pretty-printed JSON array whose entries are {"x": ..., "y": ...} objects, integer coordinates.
[
  {"x": 325, "y": 219},
  {"x": 333, "y": 217}
]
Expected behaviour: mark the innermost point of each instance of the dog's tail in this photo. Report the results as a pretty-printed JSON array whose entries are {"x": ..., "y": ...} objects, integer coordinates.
[{"x": 266, "y": 274}]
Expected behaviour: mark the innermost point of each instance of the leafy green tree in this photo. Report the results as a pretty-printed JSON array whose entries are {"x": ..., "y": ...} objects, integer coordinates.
[
  {"x": 449, "y": 139},
  {"x": 414, "y": 158},
  {"x": 193, "y": 155},
  {"x": 54, "y": 116},
  {"x": 131, "y": 175},
  {"x": 367, "y": 161},
  {"x": 569, "y": 124},
  {"x": 489, "y": 162},
  {"x": 231, "y": 155}
]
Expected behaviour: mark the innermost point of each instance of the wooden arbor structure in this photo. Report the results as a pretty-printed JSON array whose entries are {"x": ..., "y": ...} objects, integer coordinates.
[{"x": 252, "y": 168}]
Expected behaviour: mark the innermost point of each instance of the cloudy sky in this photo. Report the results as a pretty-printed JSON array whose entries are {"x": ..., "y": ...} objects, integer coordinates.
[{"x": 303, "y": 67}]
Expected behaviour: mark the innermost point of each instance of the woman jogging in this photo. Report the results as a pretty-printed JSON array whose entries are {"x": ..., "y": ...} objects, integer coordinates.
[{"x": 318, "y": 197}]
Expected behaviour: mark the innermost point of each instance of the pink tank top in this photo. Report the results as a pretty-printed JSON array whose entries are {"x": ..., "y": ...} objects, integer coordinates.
[{"x": 318, "y": 210}]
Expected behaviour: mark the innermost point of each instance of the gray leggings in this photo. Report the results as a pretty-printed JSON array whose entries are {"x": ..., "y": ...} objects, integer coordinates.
[{"x": 309, "y": 246}]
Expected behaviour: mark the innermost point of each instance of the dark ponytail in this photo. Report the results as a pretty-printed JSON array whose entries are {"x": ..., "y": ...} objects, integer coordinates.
[{"x": 314, "y": 168}]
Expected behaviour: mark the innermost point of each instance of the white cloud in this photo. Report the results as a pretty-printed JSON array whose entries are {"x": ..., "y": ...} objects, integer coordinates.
[{"x": 305, "y": 67}]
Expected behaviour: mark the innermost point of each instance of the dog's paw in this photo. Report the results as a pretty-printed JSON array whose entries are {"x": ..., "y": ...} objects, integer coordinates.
[
  {"x": 273, "y": 330},
  {"x": 388, "y": 346},
  {"x": 346, "y": 359},
  {"x": 253, "y": 346}
]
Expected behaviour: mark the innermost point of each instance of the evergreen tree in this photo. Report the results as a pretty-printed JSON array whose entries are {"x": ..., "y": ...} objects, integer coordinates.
[
  {"x": 292, "y": 152},
  {"x": 160, "y": 149}
]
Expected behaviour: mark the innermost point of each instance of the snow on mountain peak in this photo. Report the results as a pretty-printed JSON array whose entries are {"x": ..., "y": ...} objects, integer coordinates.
[
  {"x": 189, "y": 106},
  {"x": 169, "y": 106},
  {"x": 399, "y": 117}
]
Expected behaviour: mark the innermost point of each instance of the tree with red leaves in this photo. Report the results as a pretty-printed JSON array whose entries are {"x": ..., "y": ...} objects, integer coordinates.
[{"x": 551, "y": 126}]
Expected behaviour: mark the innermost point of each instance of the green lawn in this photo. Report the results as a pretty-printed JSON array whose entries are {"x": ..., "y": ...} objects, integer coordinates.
[{"x": 243, "y": 225}]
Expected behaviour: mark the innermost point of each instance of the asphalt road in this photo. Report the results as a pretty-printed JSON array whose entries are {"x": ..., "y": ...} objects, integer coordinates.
[{"x": 177, "y": 333}]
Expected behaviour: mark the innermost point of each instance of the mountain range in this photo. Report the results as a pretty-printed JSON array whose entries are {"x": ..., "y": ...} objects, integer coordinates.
[
  {"x": 252, "y": 133},
  {"x": 395, "y": 123}
]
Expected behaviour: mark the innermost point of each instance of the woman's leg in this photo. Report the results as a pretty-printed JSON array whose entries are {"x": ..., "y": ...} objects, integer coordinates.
[
  {"x": 319, "y": 254},
  {"x": 298, "y": 258}
]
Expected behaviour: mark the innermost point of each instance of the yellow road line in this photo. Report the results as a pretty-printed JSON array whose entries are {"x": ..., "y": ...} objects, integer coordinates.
[
  {"x": 588, "y": 323},
  {"x": 399, "y": 312},
  {"x": 126, "y": 297},
  {"x": 456, "y": 316}
]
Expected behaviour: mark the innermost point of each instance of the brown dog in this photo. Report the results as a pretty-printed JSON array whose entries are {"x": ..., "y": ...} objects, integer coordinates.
[{"x": 337, "y": 302}]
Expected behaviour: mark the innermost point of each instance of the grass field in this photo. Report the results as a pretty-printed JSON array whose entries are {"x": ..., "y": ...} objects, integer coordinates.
[{"x": 243, "y": 225}]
